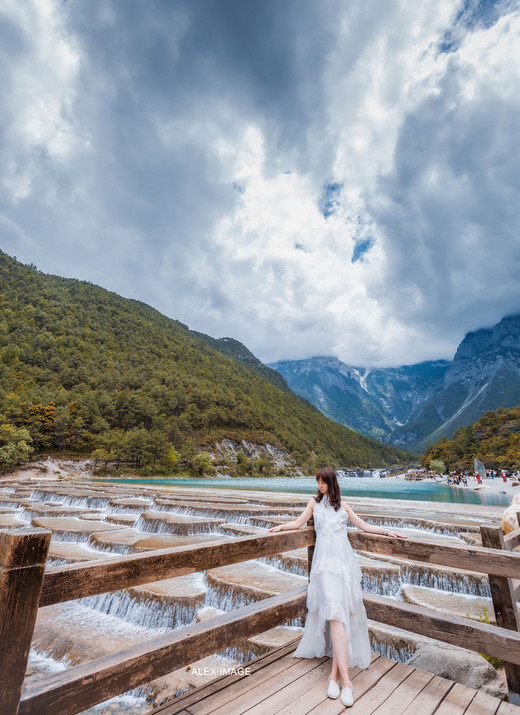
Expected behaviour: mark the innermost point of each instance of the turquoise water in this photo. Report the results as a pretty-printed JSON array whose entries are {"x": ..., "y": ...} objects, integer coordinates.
[{"x": 377, "y": 488}]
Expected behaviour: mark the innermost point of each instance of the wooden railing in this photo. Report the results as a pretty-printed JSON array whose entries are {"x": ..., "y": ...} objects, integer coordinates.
[
  {"x": 25, "y": 586},
  {"x": 504, "y": 596}
]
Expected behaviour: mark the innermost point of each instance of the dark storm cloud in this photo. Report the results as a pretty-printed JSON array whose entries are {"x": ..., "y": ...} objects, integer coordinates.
[{"x": 263, "y": 60}]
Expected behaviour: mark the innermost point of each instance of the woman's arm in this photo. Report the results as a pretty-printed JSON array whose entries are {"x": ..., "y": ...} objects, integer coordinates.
[
  {"x": 370, "y": 528},
  {"x": 300, "y": 521}
]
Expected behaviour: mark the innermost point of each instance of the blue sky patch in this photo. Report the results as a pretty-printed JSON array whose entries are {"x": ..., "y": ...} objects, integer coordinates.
[
  {"x": 361, "y": 248},
  {"x": 329, "y": 201},
  {"x": 474, "y": 14}
]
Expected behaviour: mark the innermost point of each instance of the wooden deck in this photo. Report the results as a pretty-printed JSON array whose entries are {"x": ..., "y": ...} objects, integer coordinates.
[{"x": 282, "y": 685}]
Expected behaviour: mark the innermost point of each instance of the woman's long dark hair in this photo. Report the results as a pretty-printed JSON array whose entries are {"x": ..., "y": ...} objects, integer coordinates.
[{"x": 329, "y": 477}]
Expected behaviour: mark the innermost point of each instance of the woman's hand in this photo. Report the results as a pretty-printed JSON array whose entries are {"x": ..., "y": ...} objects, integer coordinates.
[
  {"x": 300, "y": 521},
  {"x": 395, "y": 535}
]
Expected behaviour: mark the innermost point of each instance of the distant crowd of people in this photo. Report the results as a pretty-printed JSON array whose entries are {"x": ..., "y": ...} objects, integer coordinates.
[{"x": 462, "y": 478}]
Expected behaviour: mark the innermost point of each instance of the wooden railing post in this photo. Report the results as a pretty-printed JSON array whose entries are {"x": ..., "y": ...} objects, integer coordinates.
[
  {"x": 504, "y": 605},
  {"x": 22, "y": 563},
  {"x": 310, "y": 551}
]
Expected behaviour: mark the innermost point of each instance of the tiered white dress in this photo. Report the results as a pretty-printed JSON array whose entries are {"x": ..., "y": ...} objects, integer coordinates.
[{"x": 334, "y": 591}]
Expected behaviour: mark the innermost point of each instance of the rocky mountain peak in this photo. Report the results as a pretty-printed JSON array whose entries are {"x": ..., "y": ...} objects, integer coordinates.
[
  {"x": 507, "y": 333},
  {"x": 473, "y": 344}
]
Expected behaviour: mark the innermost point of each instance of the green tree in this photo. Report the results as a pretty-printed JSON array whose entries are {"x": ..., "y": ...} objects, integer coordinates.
[
  {"x": 437, "y": 466},
  {"x": 202, "y": 464},
  {"x": 103, "y": 455},
  {"x": 15, "y": 445}
]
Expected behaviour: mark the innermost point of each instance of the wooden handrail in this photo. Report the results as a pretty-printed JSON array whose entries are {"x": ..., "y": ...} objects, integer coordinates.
[
  {"x": 473, "y": 635},
  {"x": 469, "y": 558},
  {"x": 66, "y": 583},
  {"x": 504, "y": 606}
]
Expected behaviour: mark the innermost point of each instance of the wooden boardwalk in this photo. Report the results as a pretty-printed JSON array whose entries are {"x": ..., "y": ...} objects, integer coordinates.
[{"x": 282, "y": 685}]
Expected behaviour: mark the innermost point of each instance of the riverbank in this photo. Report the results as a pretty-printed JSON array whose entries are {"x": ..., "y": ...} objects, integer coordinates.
[{"x": 395, "y": 488}]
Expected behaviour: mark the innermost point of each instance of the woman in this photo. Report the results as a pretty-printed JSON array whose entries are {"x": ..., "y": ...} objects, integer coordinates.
[{"x": 336, "y": 621}]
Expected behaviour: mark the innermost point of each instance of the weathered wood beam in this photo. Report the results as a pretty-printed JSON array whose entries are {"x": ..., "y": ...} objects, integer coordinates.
[
  {"x": 512, "y": 539},
  {"x": 504, "y": 605},
  {"x": 469, "y": 558},
  {"x": 23, "y": 554},
  {"x": 66, "y": 583},
  {"x": 86, "y": 685},
  {"x": 462, "y": 632}
]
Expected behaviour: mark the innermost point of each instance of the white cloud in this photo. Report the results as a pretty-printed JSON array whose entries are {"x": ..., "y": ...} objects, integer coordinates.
[
  {"x": 41, "y": 88},
  {"x": 180, "y": 155}
]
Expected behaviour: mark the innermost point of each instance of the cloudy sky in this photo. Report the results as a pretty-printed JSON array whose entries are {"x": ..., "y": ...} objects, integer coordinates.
[{"x": 311, "y": 177}]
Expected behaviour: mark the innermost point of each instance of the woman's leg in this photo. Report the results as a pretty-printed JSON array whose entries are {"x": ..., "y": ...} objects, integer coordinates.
[
  {"x": 334, "y": 673},
  {"x": 340, "y": 652}
]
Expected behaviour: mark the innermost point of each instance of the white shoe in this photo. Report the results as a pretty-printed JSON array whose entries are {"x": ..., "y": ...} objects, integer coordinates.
[
  {"x": 346, "y": 697},
  {"x": 333, "y": 690}
]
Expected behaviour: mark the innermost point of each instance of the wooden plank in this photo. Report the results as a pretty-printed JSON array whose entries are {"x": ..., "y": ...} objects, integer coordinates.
[
  {"x": 309, "y": 699},
  {"x": 405, "y": 693},
  {"x": 286, "y": 695},
  {"x": 66, "y": 583},
  {"x": 237, "y": 689},
  {"x": 210, "y": 689},
  {"x": 23, "y": 555},
  {"x": 504, "y": 605},
  {"x": 86, "y": 685},
  {"x": 461, "y": 632},
  {"x": 374, "y": 697},
  {"x": 512, "y": 539},
  {"x": 364, "y": 683},
  {"x": 430, "y": 696},
  {"x": 483, "y": 704},
  {"x": 470, "y": 558},
  {"x": 456, "y": 701},
  {"x": 508, "y": 709},
  {"x": 249, "y": 697}
]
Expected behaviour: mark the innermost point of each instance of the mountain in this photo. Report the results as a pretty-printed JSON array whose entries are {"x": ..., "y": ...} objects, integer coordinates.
[
  {"x": 373, "y": 402},
  {"x": 85, "y": 370},
  {"x": 494, "y": 439},
  {"x": 414, "y": 405},
  {"x": 484, "y": 375}
]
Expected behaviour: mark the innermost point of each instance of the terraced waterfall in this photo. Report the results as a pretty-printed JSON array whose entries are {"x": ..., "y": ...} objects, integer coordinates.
[{"x": 93, "y": 521}]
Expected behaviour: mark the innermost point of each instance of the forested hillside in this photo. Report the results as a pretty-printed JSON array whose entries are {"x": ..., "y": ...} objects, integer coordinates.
[
  {"x": 494, "y": 439},
  {"x": 236, "y": 350},
  {"x": 85, "y": 370}
]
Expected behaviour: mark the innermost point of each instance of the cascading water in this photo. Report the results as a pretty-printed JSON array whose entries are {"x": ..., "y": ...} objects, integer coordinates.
[
  {"x": 389, "y": 650},
  {"x": 93, "y": 502},
  {"x": 209, "y": 513},
  {"x": 468, "y": 584},
  {"x": 417, "y": 525},
  {"x": 382, "y": 584},
  {"x": 157, "y": 526},
  {"x": 146, "y": 612},
  {"x": 286, "y": 565}
]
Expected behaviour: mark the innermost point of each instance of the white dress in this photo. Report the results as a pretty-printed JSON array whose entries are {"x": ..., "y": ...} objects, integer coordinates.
[{"x": 334, "y": 591}]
